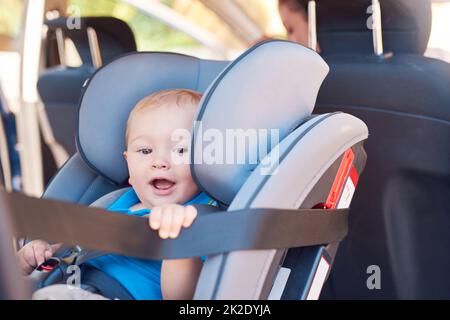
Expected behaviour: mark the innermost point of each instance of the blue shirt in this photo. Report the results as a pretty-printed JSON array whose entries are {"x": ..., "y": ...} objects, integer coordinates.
[{"x": 142, "y": 278}]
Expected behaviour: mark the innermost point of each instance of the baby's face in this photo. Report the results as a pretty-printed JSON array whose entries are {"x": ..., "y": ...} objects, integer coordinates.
[{"x": 157, "y": 163}]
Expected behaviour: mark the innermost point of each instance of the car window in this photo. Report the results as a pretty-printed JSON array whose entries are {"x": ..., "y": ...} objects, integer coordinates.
[
  {"x": 439, "y": 44},
  {"x": 153, "y": 35},
  {"x": 10, "y": 23}
]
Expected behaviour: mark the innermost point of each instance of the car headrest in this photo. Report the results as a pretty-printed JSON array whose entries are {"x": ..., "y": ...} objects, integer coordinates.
[
  {"x": 342, "y": 26},
  {"x": 115, "y": 37},
  {"x": 273, "y": 85}
]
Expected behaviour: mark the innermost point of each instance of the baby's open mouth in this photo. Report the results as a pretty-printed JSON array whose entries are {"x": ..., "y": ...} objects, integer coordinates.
[{"x": 162, "y": 186}]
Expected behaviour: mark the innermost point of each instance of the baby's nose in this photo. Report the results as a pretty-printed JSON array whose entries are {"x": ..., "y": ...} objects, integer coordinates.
[{"x": 160, "y": 165}]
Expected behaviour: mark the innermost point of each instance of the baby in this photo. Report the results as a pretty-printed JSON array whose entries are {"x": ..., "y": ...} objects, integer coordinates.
[{"x": 162, "y": 185}]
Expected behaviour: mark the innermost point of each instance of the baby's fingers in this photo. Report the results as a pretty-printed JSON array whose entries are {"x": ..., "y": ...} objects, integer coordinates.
[
  {"x": 41, "y": 252},
  {"x": 166, "y": 221},
  {"x": 177, "y": 221},
  {"x": 189, "y": 216},
  {"x": 48, "y": 254},
  {"x": 154, "y": 218},
  {"x": 55, "y": 247},
  {"x": 51, "y": 249}
]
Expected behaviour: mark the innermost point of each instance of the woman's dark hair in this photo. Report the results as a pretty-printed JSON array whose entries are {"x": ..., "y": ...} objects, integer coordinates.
[{"x": 293, "y": 5}]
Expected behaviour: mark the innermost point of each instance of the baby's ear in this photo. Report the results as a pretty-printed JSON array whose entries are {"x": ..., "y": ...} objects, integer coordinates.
[{"x": 125, "y": 155}]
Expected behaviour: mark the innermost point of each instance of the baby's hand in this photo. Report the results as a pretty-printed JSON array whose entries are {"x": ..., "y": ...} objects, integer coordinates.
[
  {"x": 35, "y": 253},
  {"x": 169, "y": 219}
]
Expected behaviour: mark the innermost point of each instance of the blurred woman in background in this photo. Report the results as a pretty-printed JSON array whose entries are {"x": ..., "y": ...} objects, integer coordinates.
[{"x": 295, "y": 19}]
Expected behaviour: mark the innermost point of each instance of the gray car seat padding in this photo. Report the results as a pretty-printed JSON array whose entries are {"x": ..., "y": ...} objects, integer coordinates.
[
  {"x": 244, "y": 274},
  {"x": 76, "y": 182},
  {"x": 251, "y": 86}
]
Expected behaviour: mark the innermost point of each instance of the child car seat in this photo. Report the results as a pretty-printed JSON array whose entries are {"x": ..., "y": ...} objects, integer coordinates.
[{"x": 316, "y": 163}]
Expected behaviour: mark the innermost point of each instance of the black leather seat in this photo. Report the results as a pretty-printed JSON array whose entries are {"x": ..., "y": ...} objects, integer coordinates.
[
  {"x": 400, "y": 214},
  {"x": 342, "y": 26},
  {"x": 60, "y": 87},
  {"x": 115, "y": 37}
]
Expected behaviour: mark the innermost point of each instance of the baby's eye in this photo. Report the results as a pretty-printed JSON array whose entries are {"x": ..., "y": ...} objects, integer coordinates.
[
  {"x": 145, "y": 150},
  {"x": 181, "y": 150}
]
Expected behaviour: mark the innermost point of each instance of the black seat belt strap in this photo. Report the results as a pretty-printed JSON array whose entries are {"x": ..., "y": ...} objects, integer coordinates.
[{"x": 213, "y": 233}]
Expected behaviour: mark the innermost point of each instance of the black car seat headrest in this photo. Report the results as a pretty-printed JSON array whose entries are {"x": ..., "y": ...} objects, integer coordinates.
[
  {"x": 273, "y": 85},
  {"x": 115, "y": 37},
  {"x": 342, "y": 26}
]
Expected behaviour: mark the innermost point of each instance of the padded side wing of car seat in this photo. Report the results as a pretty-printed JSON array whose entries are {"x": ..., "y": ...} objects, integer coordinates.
[{"x": 304, "y": 156}]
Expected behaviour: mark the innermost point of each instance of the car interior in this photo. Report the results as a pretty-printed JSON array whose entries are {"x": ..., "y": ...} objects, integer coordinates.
[{"x": 363, "y": 158}]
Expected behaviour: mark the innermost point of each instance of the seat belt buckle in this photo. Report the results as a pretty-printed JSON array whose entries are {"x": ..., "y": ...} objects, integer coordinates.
[
  {"x": 43, "y": 271},
  {"x": 53, "y": 269},
  {"x": 48, "y": 265}
]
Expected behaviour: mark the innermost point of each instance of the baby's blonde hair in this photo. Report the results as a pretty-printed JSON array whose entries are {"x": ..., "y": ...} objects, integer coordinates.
[{"x": 173, "y": 97}]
